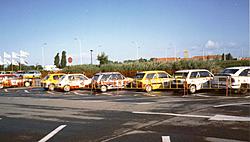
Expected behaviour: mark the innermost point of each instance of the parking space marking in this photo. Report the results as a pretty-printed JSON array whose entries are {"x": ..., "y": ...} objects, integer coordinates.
[
  {"x": 165, "y": 139},
  {"x": 5, "y": 90},
  {"x": 144, "y": 103},
  {"x": 232, "y": 104},
  {"x": 229, "y": 118},
  {"x": 26, "y": 91},
  {"x": 51, "y": 134},
  {"x": 201, "y": 95},
  {"x": 49, "y": 92},
  {"x": 172, "y": 114},
  {"x": 76, "y": 93}
]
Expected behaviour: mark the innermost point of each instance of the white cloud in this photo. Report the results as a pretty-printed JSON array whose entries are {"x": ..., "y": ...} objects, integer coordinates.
[{"x": 211, "y": 44}]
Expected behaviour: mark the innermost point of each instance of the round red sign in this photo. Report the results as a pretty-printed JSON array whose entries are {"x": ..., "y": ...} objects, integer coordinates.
[{"x": 70, "y": 59}]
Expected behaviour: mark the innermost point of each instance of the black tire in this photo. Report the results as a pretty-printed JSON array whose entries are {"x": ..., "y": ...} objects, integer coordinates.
[
  {"x": 66, "y": 88},
  {"x": 148, "y": 88},
  {"x": 27, "y": 84},
  {"x": 243, "y": 89},
  {"x": 192, "y": 89},
  {"x": 51, "y": 87}
]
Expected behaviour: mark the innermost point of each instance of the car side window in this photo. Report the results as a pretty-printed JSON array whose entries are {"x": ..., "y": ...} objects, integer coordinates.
[
  {"x": 163, "y": 75},
  {"x": 151, "y": 76},
  {"x": 194, "y": 75},
  {"x": 55, "y": 77},
  {"x": 204, "y": 74},
  {"x": 71, "y": 78},
  {"x": 245, "y": 72},
  {"x": 119, "y": 76},
  {"x": 82, "y": 78}
]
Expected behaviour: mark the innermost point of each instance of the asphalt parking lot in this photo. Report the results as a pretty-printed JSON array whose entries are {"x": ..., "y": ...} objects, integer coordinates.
[{"x": 32, "y": 114}]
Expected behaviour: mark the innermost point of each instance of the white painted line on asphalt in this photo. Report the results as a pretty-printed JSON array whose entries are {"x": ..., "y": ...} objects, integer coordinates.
[
  {"x": 232, "y": 104},
  {"x": 49, "y": 92},
  {"x": 76, "y": 93},
  {"x": 144, "y": 103},
  {"x": 51, "y": 134},
  {"x": 165, "y": 139},
  {"x": 172, "y": 114},
  {"x": 26, "y": 91},
  {"x": 5, "y": 90},
  {"x": 247, "y": 97},
  {"x": 201, "y": 95},
  {"x": 0, "y": 118},
  {"x": 229, "y": 118}
]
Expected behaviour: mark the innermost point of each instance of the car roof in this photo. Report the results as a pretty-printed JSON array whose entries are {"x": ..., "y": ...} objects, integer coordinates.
[
  {"x": 56, "y": 74},
  {"x": 239, "y": 67},
  {"x": 151, "y": 71},
  {"x": 191, "y": 70},
  {"x": 107, "y": 73}
]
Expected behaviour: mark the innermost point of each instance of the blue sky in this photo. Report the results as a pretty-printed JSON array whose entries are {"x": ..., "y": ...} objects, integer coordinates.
[{"x": 119, "y": 27}]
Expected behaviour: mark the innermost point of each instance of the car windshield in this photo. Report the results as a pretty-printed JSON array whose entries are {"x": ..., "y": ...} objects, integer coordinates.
[
  {"x": 181, "y": 74},
  {"x": 46, "y": 77},
  {"x": 229, "y": 71},
  {"x": 139, "y": 75}
]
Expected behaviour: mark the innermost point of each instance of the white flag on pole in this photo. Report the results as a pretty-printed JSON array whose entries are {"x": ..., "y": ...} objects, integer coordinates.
[
  {"x": 22, "y": 61},
  {"x": 1, "y": 61},
  {"x": 14, "y": 62},
  {"x": 24, "y": 54},
  {"x": 6, "y": 55},
  {"x": 6, "y": 61},
  {"x": 15, "y": 55}
]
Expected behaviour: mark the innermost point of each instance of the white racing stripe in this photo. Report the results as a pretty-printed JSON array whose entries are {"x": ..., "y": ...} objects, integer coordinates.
[
  {"x": 51, "y": 134},
  {"x": 233, "y": 104},
  {"x": 165, "y": 139}
]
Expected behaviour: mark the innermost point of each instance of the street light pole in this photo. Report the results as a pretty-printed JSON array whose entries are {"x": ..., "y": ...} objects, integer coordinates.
[
  {"x": 80, "y": 47},
  {"x": 44, "y": 44},
  {"x": 91, "y": 56}
]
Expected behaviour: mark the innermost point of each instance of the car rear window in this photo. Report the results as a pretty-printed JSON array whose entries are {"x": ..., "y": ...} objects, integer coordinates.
[{"x": 229, "y": 71}]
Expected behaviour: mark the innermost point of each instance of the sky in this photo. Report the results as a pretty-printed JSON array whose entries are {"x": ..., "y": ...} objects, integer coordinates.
[{"x": 123, "y": 29}]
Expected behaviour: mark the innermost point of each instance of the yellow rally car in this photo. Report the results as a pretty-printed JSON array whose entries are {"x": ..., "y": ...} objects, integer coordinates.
[
  {"x": 151, "y": 80},
  {"x": 49, "y": 81}
]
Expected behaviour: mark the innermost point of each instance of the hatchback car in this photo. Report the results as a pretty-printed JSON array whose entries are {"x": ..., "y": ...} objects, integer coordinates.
[
  {"x": 109, "y": 80},
  {"x": 10, "y": 80},
  {"x": 151, "y": 80},
  {"x": 237, "y": 78},
  {"x": 32, "y": 74},
  {"x": 195, "y": 79},
  {"x": 72, "y": 81},
  {"x": 49, "y": 81}
]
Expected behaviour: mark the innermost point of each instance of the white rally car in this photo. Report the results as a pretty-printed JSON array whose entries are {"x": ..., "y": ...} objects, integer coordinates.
[
  {"x": 237, "y": 78},
  {"x": 72, "y": 81},
  {"x": 196, "y": 79}
]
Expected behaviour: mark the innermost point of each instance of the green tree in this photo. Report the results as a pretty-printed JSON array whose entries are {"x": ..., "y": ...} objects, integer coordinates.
[
  {"x": 102, "y": 58},
  {"x": 63, "y": 60},
  {"x": 57, "y": 60}
]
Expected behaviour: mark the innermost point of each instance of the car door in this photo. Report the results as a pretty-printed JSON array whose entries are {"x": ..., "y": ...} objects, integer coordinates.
[
  {"x": 244, "y": 76},
  {"x": 164, "y": 79}
]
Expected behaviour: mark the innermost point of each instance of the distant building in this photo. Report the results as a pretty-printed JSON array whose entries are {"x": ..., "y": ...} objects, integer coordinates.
[
  {"x": 170, "y": 59},
  {"x": 245, "y": 58}
]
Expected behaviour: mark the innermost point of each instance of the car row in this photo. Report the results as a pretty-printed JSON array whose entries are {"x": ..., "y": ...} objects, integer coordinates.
[
  {"x": 193, "y": 80},
  {"x": 24, "y": 74}
]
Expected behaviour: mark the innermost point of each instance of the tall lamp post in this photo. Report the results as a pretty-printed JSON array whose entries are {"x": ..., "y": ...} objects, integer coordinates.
[
  {"x": 80, "y": 47},
  {"x": 44, "y": 44},
  {"x": 91, "y": 56}
]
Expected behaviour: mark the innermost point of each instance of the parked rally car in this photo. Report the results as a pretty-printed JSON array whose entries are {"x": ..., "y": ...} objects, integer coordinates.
[
  {"x": 237, "y": 78},
  {"x": 109, "y": 80},
  {"x": 151, "y": 80},
  {"x": 195, "y": 79},
  {"x": 32, "y": 74},
  {"x": 10, "y": 80},
  {"x": 49, "y": 81},
  {"x": 72, "y": 81}
]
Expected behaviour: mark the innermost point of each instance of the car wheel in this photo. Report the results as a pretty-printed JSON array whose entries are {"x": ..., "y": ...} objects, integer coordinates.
[
  {"x": 148, "y": 88},
  {"x": 104, "y": 88},
  {"x": 192, "y": 89},
  {"x": 243, "y": 89},
  {"x": 51, "y": 87},
  {"x": 27, "y": 84},
  {"x": 66, "y": 88}
]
